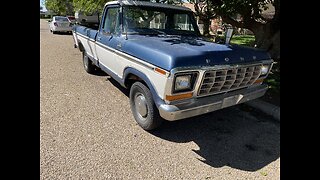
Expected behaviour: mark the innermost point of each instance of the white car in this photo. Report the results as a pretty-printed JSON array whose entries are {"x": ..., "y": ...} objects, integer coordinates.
[{"x": 60, "y": 24}]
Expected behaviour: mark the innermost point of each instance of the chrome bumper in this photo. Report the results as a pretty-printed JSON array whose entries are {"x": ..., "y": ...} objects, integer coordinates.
[{"x": 198, "y": 106}]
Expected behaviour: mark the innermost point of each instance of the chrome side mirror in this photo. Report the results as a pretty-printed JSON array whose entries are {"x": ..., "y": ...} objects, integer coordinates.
[{"x": 228, "y": 35}]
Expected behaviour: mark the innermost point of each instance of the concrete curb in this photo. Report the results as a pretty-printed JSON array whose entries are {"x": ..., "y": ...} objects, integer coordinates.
[{"x": 265, "y": 107}]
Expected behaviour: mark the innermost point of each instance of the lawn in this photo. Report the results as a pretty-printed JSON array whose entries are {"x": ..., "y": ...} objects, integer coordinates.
[{"x": 245, "y": 40}]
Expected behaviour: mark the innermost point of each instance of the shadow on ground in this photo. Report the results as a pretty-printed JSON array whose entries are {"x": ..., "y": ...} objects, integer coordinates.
[
  {"x": 239, "y": 136},
  {"x": 62, "y": 33},
  {"x": 228, "y": 137}
]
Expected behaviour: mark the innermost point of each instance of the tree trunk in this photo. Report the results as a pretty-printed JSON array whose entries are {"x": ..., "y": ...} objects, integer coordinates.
[
  {"x": 206, "y": 27},
  {"x": 268, "y": 38}
]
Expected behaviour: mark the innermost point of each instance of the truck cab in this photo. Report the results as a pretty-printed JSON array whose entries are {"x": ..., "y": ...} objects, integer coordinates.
[{"x": 173, "y": 73}]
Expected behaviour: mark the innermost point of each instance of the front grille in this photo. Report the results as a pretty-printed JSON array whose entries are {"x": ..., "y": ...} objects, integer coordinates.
[{"x": 223, "y": 80}]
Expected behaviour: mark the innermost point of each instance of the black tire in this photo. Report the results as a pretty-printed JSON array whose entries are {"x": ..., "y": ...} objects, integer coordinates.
[
  {"x": 88, "y": 64},
  {"x": 150, "y": 119},
  {"x": 54, "y": 32}
]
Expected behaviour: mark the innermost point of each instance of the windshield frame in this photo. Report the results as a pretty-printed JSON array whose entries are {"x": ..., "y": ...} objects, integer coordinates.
[{"x": 168, "y": 12}]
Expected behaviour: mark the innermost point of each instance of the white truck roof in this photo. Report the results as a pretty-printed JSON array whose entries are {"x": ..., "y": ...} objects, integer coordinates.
[{"x": 149, "y": 4}]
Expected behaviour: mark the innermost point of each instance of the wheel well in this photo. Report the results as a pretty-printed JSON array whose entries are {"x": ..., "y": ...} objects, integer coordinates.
[
  {"x": 132, "y": 78},
  {"x": 81, "y": 48}
]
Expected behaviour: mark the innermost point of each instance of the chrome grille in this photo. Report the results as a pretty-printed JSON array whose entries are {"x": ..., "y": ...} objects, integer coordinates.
[{"x": 223, "y": 80}]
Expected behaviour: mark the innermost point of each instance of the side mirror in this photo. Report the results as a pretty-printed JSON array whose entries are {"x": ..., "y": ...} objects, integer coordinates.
[{"x": 228, "y": 35}]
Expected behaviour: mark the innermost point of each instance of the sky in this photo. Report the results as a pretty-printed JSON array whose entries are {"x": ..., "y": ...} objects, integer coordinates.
[{"x": 42, "y": 4}]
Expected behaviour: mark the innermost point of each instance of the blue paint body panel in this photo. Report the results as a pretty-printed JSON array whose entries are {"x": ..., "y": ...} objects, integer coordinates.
[
  {"x": 170, "y": 52},
  {"x": 88, "y": 32}
]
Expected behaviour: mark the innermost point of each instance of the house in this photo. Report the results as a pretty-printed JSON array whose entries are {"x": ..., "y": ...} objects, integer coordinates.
[{"x": 216, "y": 26}]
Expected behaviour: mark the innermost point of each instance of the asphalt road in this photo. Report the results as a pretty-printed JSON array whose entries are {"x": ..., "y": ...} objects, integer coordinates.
[{"x": 87, "y": 130}]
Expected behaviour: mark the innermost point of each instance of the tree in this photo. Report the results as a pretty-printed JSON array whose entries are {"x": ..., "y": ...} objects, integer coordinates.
[
  {"x": 265, "y": 29},
  {"x": 61, "y": 7},
  {"x": 89, "y": 6},
  {"x": 204, "y": 10}
]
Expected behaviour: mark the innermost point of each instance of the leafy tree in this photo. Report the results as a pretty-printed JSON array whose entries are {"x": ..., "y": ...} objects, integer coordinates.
[
  {"x": 61, "y": 7},
  {"x": 89, "y": 6},
  {"x": 265, "y": 29}
]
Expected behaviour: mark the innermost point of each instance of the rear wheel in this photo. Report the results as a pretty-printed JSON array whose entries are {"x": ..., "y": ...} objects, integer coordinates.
[
  {"x": 143, "y": 107},
  {"x": 88, "y": 64}
]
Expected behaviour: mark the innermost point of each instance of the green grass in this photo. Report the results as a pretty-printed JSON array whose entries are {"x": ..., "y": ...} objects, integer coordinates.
[{"x": 245, "y": 40}]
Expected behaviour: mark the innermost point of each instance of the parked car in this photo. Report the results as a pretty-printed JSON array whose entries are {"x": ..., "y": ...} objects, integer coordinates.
[
  {"x": 72, "y": 19},
  {"x": 60, "y": 24},
  {"x": 157, "y": 52}
]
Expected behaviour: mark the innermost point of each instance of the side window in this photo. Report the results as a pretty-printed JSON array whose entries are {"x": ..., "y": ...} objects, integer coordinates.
[{"x": 111, "y": 23}]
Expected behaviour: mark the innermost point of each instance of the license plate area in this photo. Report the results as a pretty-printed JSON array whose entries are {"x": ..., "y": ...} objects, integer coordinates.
[{"x": 232, "y": 100}]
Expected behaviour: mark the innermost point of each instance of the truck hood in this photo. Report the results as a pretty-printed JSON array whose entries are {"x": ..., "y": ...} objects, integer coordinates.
[{"x": 168, "y": 52}]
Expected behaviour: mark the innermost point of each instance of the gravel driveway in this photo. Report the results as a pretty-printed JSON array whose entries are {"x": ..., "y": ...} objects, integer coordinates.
[{"x": 87, "y": 130}]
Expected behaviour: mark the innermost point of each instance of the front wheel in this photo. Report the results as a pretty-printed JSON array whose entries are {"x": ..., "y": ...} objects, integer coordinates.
[{"x": 143, "y": 108}]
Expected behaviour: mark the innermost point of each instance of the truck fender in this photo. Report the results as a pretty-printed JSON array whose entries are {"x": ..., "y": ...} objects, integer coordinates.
[{"x": 130, "y": 70}]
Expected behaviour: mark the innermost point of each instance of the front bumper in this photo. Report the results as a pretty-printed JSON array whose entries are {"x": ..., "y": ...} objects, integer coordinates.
[{"x": 198, "y": 106}]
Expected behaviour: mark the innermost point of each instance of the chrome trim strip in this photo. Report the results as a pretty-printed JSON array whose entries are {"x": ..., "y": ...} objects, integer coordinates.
[
  {"x": 86, "y": 37},
  {"x": 128, "y": 57}
]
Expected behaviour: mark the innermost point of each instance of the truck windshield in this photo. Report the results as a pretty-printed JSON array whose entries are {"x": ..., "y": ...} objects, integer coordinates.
[{"x": 151, "y": 20}]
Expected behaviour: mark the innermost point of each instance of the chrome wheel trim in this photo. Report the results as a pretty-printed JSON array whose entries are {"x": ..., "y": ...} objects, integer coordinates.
[{"x": 141, "y": 105}]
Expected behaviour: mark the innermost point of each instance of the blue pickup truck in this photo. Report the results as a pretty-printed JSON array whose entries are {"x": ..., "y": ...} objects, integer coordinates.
[{"x": 156, "y": 51}]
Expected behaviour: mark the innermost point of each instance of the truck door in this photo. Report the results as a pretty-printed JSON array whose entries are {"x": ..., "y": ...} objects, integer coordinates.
[{"x": 107, "y": 40}]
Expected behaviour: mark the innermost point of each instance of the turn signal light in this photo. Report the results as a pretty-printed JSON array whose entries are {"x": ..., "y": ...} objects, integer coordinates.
[
  {"x": 179, "y": 96},
  {"x": 258, "y": 81}
]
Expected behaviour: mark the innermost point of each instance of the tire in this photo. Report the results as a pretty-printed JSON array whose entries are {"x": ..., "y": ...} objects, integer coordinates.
[
  {"x": 146, "y": 115},
  {"x": 87, "y": 64}
]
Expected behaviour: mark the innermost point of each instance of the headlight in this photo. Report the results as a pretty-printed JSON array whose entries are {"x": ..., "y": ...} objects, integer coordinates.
[
  {"x": 184, "y": 82},
  {"x": 265, "y": 69}
]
